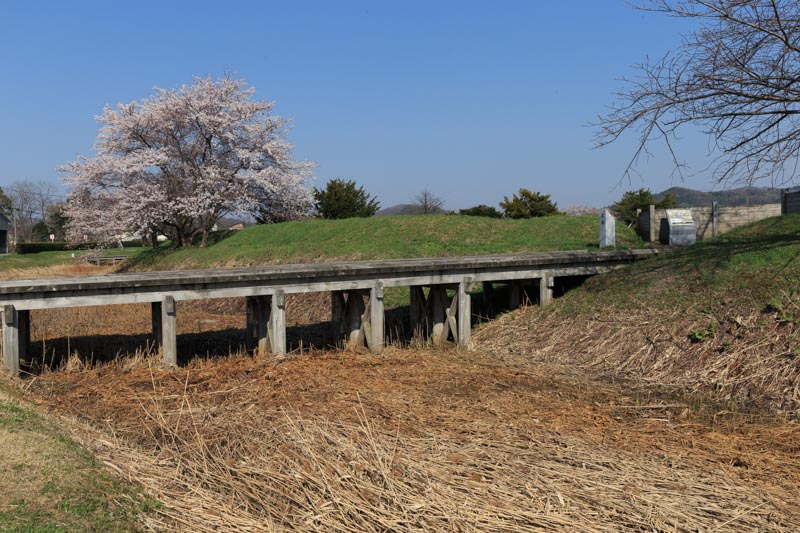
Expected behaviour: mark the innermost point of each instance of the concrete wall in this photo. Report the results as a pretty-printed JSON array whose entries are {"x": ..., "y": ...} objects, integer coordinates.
[
  {"x": 790, "y": 202},
  {"x": 649, "y": 226}
]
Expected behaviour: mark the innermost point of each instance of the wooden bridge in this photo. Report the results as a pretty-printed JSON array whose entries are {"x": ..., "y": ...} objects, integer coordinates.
[{"x": 356, "y": 295}]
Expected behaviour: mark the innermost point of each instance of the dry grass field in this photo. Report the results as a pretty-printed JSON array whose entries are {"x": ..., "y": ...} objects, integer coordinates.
[
  {"x": 659, "y": 398},
  {"x": 415, "y": 440}
]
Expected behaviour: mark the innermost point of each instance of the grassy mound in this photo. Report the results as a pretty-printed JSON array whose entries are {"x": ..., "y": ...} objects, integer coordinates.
[
  {"x": 385, "y": 238},
  {"x": 719, "y": 317}
]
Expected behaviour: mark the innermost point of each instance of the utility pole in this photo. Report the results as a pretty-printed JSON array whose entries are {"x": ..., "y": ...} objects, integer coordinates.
[{"x": 14, "y": 216}]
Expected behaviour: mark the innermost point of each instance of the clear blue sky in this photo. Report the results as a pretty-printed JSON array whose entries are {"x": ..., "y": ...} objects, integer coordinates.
[{"x": 472, "y": 100}]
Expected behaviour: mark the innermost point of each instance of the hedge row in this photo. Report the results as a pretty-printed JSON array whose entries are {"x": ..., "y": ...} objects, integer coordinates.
[{"x": 36, "y": 247}]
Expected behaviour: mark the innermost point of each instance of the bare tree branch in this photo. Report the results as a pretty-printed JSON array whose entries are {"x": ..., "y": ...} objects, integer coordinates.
[{"x": 735, "y": 77}]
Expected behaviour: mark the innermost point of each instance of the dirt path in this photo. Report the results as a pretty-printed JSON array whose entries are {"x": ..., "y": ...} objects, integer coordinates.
[{"x": 426, "y": 441}]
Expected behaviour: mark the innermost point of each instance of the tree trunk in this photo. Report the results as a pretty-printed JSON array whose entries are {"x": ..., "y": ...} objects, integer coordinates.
[{"x": 204, "y": 239}]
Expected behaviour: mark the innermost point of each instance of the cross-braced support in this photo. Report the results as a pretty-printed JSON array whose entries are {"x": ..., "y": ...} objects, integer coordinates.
[
  {"x": 360, "y": 322},
  {"x": 440, "y": 317},
  {"x": 259, "y": 310}
]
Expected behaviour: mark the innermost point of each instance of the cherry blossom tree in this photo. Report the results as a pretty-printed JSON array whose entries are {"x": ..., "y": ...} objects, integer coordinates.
[{"x": 177, "y": 162}]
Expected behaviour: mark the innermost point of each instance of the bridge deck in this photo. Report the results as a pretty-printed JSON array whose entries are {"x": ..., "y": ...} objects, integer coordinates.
[{"x": 266, "y": 287}]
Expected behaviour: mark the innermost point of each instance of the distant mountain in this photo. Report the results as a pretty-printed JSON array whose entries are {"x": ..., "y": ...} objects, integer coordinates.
[
  {"x": 403, "y": 209},
  {"x": 729, "y": 197}
]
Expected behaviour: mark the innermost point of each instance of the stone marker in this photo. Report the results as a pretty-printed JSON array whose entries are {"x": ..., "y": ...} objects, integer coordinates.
[{"x": 607, "y": 229}]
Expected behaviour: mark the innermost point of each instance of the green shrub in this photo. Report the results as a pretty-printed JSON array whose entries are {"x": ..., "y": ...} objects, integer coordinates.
[{"x": 36, "y": 247}]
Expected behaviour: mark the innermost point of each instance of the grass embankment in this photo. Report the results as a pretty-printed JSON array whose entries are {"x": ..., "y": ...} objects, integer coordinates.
[
  {"x": 385, "y": 238},
  {"x": 719, "y": 317},
  {"x": 40, "y": 262},
  {"x": 48, "y": 483}
]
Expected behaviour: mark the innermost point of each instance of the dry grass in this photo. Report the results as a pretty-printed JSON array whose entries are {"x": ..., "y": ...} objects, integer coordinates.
[
  {"x": 432, "y": 441},
  {"x": 745, "y": 359}
]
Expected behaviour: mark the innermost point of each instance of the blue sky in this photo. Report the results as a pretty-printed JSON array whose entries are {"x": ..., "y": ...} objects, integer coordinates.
[{"x": 471, "y": 100}]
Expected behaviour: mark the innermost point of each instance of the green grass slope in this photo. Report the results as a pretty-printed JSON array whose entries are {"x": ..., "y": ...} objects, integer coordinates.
[
  {"x": 385, "y": 238},
  {"x": 721, "y": 317}
]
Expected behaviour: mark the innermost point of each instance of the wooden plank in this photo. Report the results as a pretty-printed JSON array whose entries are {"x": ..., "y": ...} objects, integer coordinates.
[
  {"x": 169, "y": 331},
  {"x": 11, "y": 339},
  {"x": 304, "y": 274},
  {"x": 134, "y": 294}
]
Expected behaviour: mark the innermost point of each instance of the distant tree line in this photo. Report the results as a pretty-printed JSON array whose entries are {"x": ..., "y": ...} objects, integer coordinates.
[{"x": 35, "y": 211}]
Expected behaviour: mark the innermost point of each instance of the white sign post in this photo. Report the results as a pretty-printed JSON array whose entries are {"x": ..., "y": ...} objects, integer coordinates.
[{"x": 608, "y": 229}]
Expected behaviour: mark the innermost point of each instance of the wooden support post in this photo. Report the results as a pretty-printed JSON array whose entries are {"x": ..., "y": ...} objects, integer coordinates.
[
  {"x": 488, "y": 298},
  {"x": 155, "y": 320},
  {"x": 464, "y": 313},
  {"x": 251, "y": 322},
  {"x": 451, "y": 324},
  {"x": 338, "y": 317},
  {"x": 376, "y": 337},
  {"x": 11, "y": 339},
  {"x": 277, "y": 323},
  {"x": 546, "y": 289},
  {"x": 418, "y": 311},
  {"x": 355, "y": 319},
  {"x": 24, "y": 320},
  {"x": 439, "y": 312},
  {"x": 514, "y": 295},
  {"x": 264, "y": 305},
  {"x": 258, "y": 313},
  {"x": 169, "y": 331}
]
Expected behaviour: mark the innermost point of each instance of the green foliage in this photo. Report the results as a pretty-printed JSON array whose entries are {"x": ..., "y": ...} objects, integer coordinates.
[
  {"x": 59, "y": 486},
  {"x": 481, "y": 211},
  {"x": 701, "y": 334},
  {"x": 528, "y": 205},
  {"x": 342, "y": 199},
  {"x": 5, "y": 203},
  {"x": 625, "y": 208},
  {"x": 57, "y": 221}
]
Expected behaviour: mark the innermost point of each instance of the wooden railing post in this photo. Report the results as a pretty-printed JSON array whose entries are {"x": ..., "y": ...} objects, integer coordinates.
[
  {"x": 169, "y": 330},
  {"x": 546, "y": 289},
  {"x": 464, "y": 313},
  {"x": 376, "y": 319},
  {"x": 277, "y": 324},
  {"x": 11, "y": 339}
]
